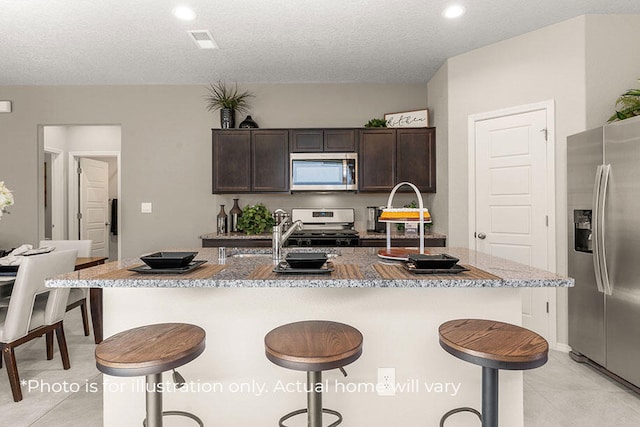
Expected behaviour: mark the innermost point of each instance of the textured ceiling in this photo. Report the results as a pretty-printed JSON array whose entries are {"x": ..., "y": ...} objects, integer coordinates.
[{"x": 81, "y": 42}]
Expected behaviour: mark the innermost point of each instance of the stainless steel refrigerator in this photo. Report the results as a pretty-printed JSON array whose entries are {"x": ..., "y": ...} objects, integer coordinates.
[{"x": 603, "y": 183}]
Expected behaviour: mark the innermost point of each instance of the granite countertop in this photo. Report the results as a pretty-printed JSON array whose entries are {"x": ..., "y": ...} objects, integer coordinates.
[
  {"x": 238, "y": 270},
  {"x": 374, "y": 235},
  {"x": 362, "y": 234}
]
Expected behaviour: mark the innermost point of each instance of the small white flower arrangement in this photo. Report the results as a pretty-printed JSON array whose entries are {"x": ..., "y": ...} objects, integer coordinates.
[{"x": 6, "y": 198}]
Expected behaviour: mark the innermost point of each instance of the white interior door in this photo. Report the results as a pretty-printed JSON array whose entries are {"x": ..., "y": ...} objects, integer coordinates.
[
  {"x": 511, "y": 200},
  {"x": 94, "y": 201}
]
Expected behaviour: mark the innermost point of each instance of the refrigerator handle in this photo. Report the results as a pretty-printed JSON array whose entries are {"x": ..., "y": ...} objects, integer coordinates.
[
  {"x": 606, "y": 284},
  {"x": 596, "y": 228}
]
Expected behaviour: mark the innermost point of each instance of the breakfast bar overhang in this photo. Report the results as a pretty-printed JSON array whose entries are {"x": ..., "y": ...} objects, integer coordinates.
[{"x": 240, "y": 300}]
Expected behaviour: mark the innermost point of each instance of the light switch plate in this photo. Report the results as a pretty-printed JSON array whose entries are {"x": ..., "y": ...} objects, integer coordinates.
[
  {"x": 146, "y": 207},
  {"x": 5, "y": 106}
]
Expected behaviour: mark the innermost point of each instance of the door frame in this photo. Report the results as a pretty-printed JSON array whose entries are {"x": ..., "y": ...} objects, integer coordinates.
[
  {"x": 57, "y": 193},
  {"x": 73, "y": 190},
  {"x": 549, "y": 107}
]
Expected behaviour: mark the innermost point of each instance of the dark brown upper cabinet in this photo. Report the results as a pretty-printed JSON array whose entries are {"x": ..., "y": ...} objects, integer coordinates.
[
  {"x": 250, "y": 161},
  {"x": 323, "y": 140},
  {"x": 416, "y": 158},
  {"x": 389, "y": 156},
  {"x": 376, "y": 160}
]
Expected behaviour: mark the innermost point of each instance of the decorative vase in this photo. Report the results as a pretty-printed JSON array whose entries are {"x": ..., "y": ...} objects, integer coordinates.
[
  {"x": 248, "y": 123},
  {"x": 222, "y": 221},
  {"x": 227, "y": 118},
  {"x": 234, "y": 214}
]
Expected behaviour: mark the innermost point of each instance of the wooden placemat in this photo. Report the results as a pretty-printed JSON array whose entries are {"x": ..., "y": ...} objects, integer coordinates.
[
  {"x": 205, "y": 271},
  {"x": 399, "y": 272},
  {"x": 340, "y": 271}
]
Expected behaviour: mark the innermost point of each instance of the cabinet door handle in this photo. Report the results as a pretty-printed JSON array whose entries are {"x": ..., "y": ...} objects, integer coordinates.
[{"x": 482, "y": 236}]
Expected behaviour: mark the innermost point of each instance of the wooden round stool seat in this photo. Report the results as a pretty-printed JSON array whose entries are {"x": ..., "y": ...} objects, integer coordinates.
[
  {"x": 313, "y": 345},
  {"x": 493, "y": 344},
  {"x": 150, "y": 349}
]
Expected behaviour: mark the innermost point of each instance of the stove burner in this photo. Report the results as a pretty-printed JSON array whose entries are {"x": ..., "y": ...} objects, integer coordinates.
[{"x": 317, "y": 237}]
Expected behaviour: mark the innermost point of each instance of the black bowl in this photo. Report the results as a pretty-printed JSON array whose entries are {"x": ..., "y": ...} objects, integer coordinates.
[
  {"x": 308, "y": 260},
  {"x": 169, "y": 259},
  {"x": 431, "y": 261}
]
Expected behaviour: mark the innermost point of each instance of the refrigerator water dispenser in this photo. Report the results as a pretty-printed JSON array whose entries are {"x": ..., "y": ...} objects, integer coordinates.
[{"x": 582, "y": 230}]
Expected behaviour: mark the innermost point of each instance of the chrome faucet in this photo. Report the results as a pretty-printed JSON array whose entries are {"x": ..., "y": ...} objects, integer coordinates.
[{"x": 279, "y": 238}]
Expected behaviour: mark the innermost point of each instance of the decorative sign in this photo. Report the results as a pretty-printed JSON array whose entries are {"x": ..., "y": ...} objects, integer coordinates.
[{"x": 408, "y": 119}]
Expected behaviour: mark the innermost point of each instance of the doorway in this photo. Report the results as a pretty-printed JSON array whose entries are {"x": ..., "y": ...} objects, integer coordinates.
[
  {"x": 62, "y": 148},
  {"x": 511, "y": 190}
]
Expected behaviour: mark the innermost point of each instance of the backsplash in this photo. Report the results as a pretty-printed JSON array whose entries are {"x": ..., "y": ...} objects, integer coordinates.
[{"x": 359, "y": 202}]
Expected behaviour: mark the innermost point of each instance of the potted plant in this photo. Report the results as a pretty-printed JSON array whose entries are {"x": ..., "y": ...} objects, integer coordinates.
[
  {"x": 376, "y": 123},
  {"x": 228, "y": 100},
  {"x": 255, "y": 219},
  {"x": 627, "y": 105}
]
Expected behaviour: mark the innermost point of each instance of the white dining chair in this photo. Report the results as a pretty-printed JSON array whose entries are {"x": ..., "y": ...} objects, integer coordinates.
[
  {"x": 35, "y": 310},
  {"x": 77, "y": 296}
]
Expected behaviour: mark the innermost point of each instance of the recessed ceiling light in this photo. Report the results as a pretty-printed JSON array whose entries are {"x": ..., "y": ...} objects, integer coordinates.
[
  {"x": 453, "y": 11},
  {"x": 184, "y": 12}
]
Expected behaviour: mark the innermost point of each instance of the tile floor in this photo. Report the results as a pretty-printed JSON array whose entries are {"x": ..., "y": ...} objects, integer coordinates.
[
  {"x": 562, "y": 393},
  {"x": 55, "y": 407}
]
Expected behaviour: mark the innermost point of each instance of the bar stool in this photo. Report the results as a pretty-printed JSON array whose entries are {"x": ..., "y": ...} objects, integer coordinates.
[
  {"x": 313, "y": 346},
  {"x": 494, "y": 346},
  {"x": 150, "y": 351}
]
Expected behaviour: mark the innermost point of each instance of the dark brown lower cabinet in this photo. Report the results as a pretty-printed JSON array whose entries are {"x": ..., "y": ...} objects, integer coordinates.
[{"x": 402, "y": 243}]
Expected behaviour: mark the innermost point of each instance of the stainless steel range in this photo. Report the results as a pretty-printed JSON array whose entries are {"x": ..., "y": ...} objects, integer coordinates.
[{"x": 324, "y": 227}]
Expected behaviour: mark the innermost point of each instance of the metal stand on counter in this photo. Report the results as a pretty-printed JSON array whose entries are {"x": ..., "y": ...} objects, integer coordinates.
[{"x": 396, "y": 220}]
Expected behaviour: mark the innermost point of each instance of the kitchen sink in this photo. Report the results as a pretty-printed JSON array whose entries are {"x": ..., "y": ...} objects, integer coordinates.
[
  {"x": 266, "y": 253},
  {"x": 249, "y": 255}
]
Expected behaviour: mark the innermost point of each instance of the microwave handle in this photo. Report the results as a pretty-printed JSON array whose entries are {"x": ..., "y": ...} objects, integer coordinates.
[{"x": 345, "y": 170}]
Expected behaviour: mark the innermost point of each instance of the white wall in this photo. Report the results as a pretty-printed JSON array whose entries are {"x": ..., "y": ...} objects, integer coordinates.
[
  {"x": 547, "y": 64},
  {"x": 612, "y": 63},
  {"x": 582, "y": 64},
  {"x": 166, "y": 148},
  {"x": 438, "y": 94},
  {"x": 94, "y": 138}
]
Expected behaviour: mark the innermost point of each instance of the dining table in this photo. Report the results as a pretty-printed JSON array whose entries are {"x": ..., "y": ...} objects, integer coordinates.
[{"x": 95, "y": 294}]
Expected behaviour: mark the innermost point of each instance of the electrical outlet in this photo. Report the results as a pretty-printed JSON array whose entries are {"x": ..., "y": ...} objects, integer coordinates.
[
  {"x": 386, "y": 382},
  {"x": 146, "y": 207}
]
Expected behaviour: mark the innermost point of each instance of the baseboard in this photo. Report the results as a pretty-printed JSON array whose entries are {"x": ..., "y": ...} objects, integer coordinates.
[{"x": 559, "y": 346}]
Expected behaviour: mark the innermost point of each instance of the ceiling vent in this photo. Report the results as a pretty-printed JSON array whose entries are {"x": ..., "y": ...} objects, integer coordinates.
[{"x": 203, "y": 39}]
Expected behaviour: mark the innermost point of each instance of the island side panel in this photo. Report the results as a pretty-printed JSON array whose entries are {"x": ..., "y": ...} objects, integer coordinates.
[{"x": 400, "y": 330}]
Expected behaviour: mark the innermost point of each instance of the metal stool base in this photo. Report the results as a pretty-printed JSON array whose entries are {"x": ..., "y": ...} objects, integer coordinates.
[
  {"x": 304, "y": 411},
  {"x": 456, "y": 410},
  {"x": 179, "y": 413}
]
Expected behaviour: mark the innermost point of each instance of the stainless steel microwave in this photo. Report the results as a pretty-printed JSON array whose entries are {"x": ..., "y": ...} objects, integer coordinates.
[{"x": 323, "y": 171}]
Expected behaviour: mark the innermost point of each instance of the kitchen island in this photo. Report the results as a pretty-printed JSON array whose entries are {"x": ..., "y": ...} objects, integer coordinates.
[{"x": 240, "y": 300}]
